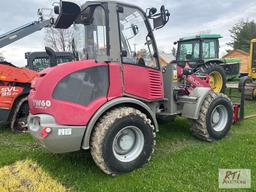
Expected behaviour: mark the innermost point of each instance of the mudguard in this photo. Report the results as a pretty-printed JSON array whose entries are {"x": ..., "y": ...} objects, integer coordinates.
[
  {"x": 191, "y": 109},
  {"x": 111, "y": 104}
]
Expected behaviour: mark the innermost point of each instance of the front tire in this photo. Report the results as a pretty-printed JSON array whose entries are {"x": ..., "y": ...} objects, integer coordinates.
[
  {"x": 215, "y": 118},
  {"x": 123, "y": 140}
]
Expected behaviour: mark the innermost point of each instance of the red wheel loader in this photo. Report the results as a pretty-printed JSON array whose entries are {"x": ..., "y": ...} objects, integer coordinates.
[{"x": 109, "y": 100}]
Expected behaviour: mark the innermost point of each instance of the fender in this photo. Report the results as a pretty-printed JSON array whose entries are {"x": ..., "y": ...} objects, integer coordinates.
[
  {"x": 217, "y": 61},
  {"x": 191, "y": 110},
  {"x": 115, "y": 102}
]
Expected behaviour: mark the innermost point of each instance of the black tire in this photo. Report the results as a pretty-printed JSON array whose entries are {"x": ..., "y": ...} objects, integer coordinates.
[
  {"x": 165, "y": 119},
  {"x": 242, "y": 79},
  {"x": 19, "y": 114},
  {"x": 209, "y": 68},
  {"x": 105, "y": 133},
  {"x": 204, "y": 127}
]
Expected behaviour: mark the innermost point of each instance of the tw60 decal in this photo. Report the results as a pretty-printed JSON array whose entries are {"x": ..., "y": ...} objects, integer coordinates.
[{"x": 41, "y": 104}]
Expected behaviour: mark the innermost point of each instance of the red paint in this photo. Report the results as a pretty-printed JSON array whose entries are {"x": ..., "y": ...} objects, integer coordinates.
[
  {"x": 143, "y": 82},
  {"x": 139, "y": 81},
  {"x": 115, "y": 88},
  {"x": 179, "y": 71},
  {"x": 196, "y": 81},
  {"x": 65, "y": 113}
]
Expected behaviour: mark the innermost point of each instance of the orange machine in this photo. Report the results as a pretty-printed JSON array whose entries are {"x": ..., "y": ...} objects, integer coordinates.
[
  {"x": 10, "y": 76},
  {"x": 14, "y": 87}
]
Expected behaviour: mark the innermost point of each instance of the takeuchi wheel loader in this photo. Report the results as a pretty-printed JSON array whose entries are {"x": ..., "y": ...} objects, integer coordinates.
[{"x": 109, "y": 100}]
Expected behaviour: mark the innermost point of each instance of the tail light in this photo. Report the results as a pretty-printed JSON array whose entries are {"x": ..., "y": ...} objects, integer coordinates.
[{"x": 45, "y": 132}]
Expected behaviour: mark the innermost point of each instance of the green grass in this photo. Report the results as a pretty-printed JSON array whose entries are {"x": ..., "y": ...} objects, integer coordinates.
[{"x": 180, "y": 162}]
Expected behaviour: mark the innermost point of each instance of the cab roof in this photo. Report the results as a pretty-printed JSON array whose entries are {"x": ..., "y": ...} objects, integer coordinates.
[{"x": 202, "y": 36}]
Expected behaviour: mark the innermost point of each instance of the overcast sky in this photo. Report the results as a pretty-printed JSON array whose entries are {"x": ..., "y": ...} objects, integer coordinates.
[{"x": 187, "y": 18}]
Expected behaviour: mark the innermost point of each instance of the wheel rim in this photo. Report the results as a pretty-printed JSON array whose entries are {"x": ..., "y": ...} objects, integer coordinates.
[
  {"x": 219, "y": 118},
  {"x": 216, "y": 81},
  {"x": 128, "y": 144}
]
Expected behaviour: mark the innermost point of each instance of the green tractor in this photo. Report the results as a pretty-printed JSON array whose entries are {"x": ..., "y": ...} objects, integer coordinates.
[{"x": 201, "y": 53}]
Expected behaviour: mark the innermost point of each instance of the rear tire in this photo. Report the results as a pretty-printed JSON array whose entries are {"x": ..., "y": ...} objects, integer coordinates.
[
  {"x": 215, "y": 68},
  {"x": 123, "y": 140},
  {"x": 20, "y": 112},
  {"x": 215, "y": 118}
]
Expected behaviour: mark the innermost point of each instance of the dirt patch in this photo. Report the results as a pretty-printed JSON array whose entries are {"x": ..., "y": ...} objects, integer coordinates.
[{"x": 27, "y": 176}]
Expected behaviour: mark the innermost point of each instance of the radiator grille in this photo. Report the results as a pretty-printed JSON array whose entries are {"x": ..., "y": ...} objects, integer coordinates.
[{"x": 155, "y": 81}]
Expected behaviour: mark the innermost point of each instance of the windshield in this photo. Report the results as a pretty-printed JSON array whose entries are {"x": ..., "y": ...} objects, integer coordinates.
[
  {"x": 90, "y": 35},
  {"x": 188, "y": 51}
]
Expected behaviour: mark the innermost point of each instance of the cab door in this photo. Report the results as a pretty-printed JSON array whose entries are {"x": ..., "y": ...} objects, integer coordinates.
[{"x": 141, "y": 71}]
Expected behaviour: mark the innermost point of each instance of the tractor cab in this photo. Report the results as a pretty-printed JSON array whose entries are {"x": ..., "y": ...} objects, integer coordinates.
[
  {"x": 38, "y": 61},
  {"x": 196, "y": 50}
]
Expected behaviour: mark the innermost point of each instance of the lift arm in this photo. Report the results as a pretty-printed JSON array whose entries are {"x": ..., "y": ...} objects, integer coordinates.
[{"x": 23, "y": 31}]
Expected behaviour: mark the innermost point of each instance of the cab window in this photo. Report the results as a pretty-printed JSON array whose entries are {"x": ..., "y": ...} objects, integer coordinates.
[
  {"x": 210, "y": 49},
  {"x": 189, "y": 50},
  {"x": 136, "y": 43},
  {"x": 90, "y": 36}
]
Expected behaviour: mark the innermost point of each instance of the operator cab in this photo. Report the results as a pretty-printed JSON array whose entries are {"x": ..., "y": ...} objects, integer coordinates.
[
  {"x": 122, "y": 37},
  {"x": 195, "y": 50},
  {"x": 93, "y": 40}
]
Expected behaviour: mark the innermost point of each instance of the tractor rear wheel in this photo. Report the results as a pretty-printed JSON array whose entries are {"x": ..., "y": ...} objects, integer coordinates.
[
  {"x": 18, "y": 120},
  {"x": 215, "y": 118},
  {"x": 123, "y": 140},
  {"x": 217, "y": 76}
]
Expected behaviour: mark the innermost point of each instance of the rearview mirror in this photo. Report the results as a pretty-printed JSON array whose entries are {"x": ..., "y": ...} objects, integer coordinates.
[
  {"x": 162, "y": 18},
  {"x": 68, "y": 12}
]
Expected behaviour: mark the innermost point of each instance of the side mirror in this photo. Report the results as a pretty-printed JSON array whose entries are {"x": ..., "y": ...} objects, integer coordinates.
[
  {"x": 162, "y": 18},
  {"x": 68, "y": 13}
]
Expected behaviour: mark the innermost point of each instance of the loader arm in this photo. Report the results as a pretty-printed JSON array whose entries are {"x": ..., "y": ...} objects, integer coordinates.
[{"x": 23, "y": 31}]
